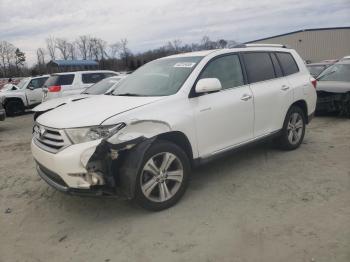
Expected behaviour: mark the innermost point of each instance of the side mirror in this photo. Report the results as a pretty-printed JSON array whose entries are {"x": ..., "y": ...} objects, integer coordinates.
[
  {"x": 30, "y": 88},
  {"x": 206, "y": 85}
]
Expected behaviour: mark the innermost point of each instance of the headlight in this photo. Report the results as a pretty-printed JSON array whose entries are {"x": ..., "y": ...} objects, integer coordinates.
[{"x": 86, "y": 134}]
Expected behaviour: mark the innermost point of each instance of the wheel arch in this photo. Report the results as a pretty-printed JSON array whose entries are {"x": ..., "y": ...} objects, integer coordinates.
[
  {"x": 303, "y": 105},
  {"x": 180, "y": 139},
  {"x": 16, "y": 99}
]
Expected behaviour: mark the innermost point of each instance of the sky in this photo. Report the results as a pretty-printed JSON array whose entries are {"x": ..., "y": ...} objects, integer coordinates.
[{"x": 150, "y": 24}]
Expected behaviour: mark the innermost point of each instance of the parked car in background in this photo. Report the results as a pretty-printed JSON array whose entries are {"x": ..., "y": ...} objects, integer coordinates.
[
  {"x": 105, "y": 86},
  {"x": 25, "y": 95},
  {"x": 317, "y": 68},
  {"x": 345, "y": 58},
  {"x": 333, "y": 89},
  {"x": 171, "y": 114},
  {"x": 72, "y": 83}
]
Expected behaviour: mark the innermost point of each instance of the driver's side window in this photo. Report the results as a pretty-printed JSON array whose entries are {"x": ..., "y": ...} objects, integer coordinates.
[
  {"x": 34, "y": 84},
  {"x": 227, "y": 69}
]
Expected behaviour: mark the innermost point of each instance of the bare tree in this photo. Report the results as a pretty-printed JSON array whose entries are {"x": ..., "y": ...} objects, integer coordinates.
[
  {"x": 82, "y": 44},
  {"x": 71, "y": 50},
  {"x": 63, "y": 46},
  {"x": 114, "y": 49},
  {"x": 40, "y": 54},
  {"x": 124, "y": 51},
  {"x": 51, "y": 47}
]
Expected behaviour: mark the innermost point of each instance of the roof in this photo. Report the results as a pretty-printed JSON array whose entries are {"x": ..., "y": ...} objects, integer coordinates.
[
  {"x": 86, "y": 71},
  {"x": 299, "y": 31},
  {"x": 74, "y": 62},
  {"x": 190, "y": 54}
]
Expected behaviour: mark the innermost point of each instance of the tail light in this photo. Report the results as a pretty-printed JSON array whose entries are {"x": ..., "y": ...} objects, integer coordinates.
[
  {"x": 54, "y": 89},
  {"x": 314, "y": 82}
]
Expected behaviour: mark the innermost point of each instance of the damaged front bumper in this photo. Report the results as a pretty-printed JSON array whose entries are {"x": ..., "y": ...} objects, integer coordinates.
[
  {"x": 72, "y": 170},
  {"x": 328, "y": 102}
]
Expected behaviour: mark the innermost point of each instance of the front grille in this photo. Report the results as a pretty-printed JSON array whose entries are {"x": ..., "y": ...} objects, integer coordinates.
[{"x": 49, "y": 139}]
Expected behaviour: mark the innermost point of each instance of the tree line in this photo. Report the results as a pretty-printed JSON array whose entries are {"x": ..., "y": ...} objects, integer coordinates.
[{"x": 115, "y": 56}]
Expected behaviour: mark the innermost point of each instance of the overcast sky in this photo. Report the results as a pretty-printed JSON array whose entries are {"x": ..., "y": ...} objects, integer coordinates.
[{"x": 151, "y": 23}]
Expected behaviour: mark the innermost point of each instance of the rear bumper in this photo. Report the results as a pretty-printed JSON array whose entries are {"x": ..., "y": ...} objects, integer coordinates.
[{"x": 2, "y": 114}]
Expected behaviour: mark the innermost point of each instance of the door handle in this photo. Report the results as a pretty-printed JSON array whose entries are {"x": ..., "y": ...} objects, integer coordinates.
[
  {"x": 246, "y": 97},
  {"x": 284, "y": 87}
]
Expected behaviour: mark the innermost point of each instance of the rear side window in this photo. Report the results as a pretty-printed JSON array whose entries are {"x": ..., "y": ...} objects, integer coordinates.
[
  {"x": 259, "y": 66},
  {"x": 276, "y": 65},
  {"x": 37, "y": 82},
  {"x": 288, "y": 63},
  {"x": 227, "y": 69},
  {"x": 92, "y": 78},
  {"x": 60, "y": 80}
]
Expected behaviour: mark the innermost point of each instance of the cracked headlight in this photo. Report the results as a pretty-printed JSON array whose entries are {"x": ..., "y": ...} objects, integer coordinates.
[{"x": 86, "y": 134}]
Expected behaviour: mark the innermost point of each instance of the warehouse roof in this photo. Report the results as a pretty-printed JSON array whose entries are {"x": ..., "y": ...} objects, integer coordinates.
[
  {"x": 74, "y": 62},
  {"x": 303, "y": 30}
]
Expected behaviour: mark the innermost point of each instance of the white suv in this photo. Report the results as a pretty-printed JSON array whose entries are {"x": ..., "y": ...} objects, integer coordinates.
[
  {"x": 72, "y": 83},
  {"x": 170, "y": 115}
]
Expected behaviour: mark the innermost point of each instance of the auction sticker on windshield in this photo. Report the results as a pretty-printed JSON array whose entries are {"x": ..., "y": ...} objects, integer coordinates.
[{"x": 184, "y": 64}]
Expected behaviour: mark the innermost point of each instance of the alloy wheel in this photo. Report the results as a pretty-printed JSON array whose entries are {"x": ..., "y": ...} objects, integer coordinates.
[
  {"x": 161, "y": 177},
  {"x": 295, "y": 128}
]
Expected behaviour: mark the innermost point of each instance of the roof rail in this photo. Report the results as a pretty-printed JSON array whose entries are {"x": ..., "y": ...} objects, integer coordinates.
[{"x": 261, "y": 45}]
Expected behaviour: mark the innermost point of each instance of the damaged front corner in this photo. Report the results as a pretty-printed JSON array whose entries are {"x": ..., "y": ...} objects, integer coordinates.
[{"x": 118, "y": 158}]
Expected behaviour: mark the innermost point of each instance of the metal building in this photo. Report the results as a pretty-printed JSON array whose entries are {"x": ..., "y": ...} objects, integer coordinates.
[
  {"x": 315, "y": 45},
  {"x": 55, "y": 66}
]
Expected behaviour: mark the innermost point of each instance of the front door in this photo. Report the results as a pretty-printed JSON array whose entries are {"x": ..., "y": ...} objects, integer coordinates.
[
  {"x": 226, "y": 118},
  {"x": 34, "y": 91}
]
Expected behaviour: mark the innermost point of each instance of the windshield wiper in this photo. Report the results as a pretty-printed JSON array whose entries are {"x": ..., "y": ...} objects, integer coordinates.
[{"x": 126, "y": 94}]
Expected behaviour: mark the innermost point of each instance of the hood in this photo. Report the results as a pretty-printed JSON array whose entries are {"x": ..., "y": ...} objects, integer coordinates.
[
  {"x": 333, "y": 86},
  {"x": 8, "y": 87},
  {"x": 92, "y": 111},
  {"x": 53, "y": 103}
]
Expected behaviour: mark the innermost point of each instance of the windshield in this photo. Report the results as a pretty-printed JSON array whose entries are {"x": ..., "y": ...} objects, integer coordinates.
[
  {"x": 162, "y": 77},
  {"x": 22, "y": 83},
  {"x": 337, "y": 72},
  {"x": 102, "y": 86},
  {"x": 316, "y": 70}
]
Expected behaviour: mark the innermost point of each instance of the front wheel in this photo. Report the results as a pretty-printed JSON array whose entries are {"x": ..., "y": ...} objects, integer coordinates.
[
  {"x": 163, "y": 176},
  {"x": 14, "y": 107},
  {"x": 293, "y": 130}
]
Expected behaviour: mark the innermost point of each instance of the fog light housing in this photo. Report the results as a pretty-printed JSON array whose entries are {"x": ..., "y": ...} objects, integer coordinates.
[{"x": 94, "y": 178}]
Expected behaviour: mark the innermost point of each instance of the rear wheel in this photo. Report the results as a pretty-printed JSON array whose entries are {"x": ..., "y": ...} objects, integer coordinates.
[
  {"x": 293, "y": 130},
  {"x": 163, "y": 176},
  {"x": 14, "y": 108}
]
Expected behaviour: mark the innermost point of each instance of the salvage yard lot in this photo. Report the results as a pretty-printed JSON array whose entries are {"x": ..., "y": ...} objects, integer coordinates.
[{"x": 258, "y": 204}]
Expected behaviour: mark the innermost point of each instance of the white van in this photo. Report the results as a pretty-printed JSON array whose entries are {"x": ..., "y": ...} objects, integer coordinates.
[{"x": 71, "y": 83}]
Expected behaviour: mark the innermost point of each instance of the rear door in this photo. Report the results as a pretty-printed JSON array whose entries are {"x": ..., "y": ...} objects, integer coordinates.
[
  {"x": 271, "y": 91},
  {"x": 223, "y": 119}
]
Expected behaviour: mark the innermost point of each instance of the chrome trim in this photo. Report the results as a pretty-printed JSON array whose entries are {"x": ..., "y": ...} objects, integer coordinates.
[
  {"x": 50, "y": 139},
  {"x": 241, "y": 144}
]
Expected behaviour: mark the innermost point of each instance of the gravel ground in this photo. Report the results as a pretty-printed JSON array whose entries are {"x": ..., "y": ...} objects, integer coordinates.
[{"x": 258, "y": 204}]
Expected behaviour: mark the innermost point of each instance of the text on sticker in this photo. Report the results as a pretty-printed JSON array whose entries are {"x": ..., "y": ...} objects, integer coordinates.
[{"x": 184, "y": 64}]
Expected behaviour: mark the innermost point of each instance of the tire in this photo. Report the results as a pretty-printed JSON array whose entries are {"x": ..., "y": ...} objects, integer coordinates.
[
  {"x": 13, "y": 108},
  {"x": 292, "y": 133},
  {"x": 155, "y": 190}
]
